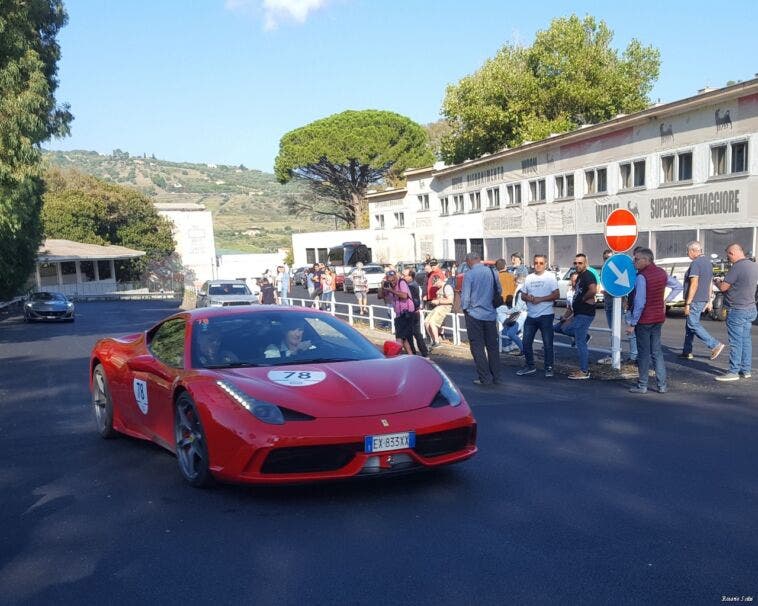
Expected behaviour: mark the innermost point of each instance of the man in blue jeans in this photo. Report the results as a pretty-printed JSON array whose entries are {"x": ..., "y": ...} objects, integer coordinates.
[
  {"x": 697, "y": 299},
  {"x": 539, "y": 292},
  {"x": 738, "y": 287},
  {"x": 583, "y": 307},
  {"x": 647, "y": 317}
]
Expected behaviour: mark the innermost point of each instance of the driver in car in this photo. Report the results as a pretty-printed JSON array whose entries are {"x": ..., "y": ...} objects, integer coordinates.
[
  {"x": 209, "y": 352},
  {"x": 292, "y": 342}
]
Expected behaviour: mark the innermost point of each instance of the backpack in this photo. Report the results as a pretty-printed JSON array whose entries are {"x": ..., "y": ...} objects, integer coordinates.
[{"x": 415, "y": 295}]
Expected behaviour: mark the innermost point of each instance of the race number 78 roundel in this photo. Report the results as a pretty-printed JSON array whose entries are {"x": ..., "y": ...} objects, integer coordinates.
[
  {"x": 620, "y": 230},
  {"x": 296, "y": 377}
]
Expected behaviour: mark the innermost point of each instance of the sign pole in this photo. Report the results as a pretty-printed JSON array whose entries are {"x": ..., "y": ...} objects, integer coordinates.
[{"x": 616, "y": 334}]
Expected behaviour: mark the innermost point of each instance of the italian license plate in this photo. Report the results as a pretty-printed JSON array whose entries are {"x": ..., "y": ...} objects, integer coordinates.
[{"x": 390, "y": 441}]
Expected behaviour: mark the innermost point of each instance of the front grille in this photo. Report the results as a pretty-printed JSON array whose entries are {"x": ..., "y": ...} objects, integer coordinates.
[
  {"x": 444, "y": 442},
  {"x": 56, "y": 314},
  {"x": 307, "y": 459},
  {"x": 229, "y": 303}
]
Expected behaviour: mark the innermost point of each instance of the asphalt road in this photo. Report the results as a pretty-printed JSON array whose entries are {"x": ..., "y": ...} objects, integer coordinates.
[{"x": 581, "y": 493}]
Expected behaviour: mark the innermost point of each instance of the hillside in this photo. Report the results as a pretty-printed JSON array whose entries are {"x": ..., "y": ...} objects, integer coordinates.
[{"x": 249, "y": 214}]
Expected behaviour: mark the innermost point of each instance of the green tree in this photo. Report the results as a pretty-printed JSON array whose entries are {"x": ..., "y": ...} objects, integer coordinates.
[
  {"x": 86, "y": 209},
  {"x": 29, "y": 114},
  {"x": 568, "y": 77},
  {"x": 341, "y": 155}
]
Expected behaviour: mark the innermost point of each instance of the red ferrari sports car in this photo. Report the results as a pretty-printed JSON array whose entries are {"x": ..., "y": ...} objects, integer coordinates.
[{"x": 265, "y": 394}]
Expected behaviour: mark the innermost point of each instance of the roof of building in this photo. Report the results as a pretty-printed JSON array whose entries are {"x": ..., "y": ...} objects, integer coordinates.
[
  {"x": 55, "y": 251},
  {"x": 178, "y": 206},
  {"x": 657, "y": 111}
]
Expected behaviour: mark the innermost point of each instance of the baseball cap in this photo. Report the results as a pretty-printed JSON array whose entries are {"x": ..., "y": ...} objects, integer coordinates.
[
  {"x": 433, "y": 262},
  {"x": 391, "y": 272}
]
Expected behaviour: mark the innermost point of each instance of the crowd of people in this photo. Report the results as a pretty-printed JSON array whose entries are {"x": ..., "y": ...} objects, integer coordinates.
[{"x": 508, "y": 304}]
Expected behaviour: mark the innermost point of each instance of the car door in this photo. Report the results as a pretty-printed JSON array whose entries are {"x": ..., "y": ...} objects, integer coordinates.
[{"x": 154, "y": 389}]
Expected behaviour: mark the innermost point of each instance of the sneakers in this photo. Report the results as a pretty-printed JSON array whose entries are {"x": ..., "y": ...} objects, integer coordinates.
[
  {"x": 689, "y": 356},
  {"x": 637, "y": 389},
  {"x": 527, "y": 370},
  {"x": 434, "y": 344},
  {"x": 660, "y": 389},
  {"x": 716, "y": 351},
  {"x": 745, "y": 375},
  {"x": 729, "y": 376},
  {"x": 549, "y": 372},
  {"x": 578, "y": 375},
  {"x": 516, "y": 352},
  {"x": 481, "y": 383}
]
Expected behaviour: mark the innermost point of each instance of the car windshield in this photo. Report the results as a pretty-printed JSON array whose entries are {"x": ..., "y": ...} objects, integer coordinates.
[
  {"x": 48, "y": 296},
  {"x": 228, "y": 289},
  {"x": 374, "y": 270},
  {"x": 276, "y": 339}
]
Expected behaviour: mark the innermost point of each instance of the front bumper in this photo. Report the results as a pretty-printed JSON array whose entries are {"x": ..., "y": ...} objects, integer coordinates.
[{"x": 330, "y": 449}]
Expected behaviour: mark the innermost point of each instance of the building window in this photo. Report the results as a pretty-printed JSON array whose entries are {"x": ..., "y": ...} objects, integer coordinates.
[
  {"x": 537, "y": 190},
  {"x": 444, "y": 206},
  {"x": 596, "y": 180},
  {"x": 458, "y": 201},
  {"x": 514, "y": 193},
  {"x": 399, "y": 219},
  {"x": 379, "y": 221},
  {"x": 48, "y": 274},
  {"x": 739, "y": 157},
  {"x": 564, "y": 186},
  {"x": 632, "y": 174},
  {"x": 729, "y": 158},
  {"x": 310, "y": 256},
  {"x": 718, "y": 160},
  {"x": 676, "y": 167},
  {"x": 87, "y": 271},
  {"x": 423, "y": 202},
  {"x": 475, "y": 198},
  {"x": 104, "y": 270},
  {"x": 493, "y": 197}
]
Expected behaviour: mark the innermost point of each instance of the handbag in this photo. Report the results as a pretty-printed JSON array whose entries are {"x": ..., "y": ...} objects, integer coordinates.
[{"x": 497, "y": 297}]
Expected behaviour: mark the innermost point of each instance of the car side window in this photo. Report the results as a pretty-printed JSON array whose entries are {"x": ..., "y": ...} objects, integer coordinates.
[{"x": 167, "y": 342}]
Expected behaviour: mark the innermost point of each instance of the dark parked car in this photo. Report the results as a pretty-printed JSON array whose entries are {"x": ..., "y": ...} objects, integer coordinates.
[{"x": 48, "y": 306}]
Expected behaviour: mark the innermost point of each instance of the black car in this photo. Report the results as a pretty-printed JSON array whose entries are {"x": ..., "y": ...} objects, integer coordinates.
[{"x": 48, "y": 307}]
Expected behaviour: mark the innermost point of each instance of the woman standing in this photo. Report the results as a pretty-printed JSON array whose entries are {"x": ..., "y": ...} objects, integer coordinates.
[{"x": 327, "y": 287}]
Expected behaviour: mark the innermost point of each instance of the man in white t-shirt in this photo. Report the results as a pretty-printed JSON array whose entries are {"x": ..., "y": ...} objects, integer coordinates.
[{"x": 539, "y": 291}]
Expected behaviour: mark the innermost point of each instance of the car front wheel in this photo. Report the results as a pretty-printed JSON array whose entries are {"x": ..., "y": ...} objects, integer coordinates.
[{"x": 191, "y": 447}]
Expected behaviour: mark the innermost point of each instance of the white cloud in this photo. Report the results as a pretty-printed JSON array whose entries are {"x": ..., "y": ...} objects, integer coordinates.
[{"x": 277, "y": 11}]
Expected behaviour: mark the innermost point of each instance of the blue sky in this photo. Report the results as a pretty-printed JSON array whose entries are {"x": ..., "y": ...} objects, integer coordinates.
[{"x": 222, "y": 80}]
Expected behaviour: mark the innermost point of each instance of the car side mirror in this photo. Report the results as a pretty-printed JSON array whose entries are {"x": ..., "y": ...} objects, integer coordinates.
[
  {"x": 147, "y": 363},
  {"x": 392, "y": 349}
]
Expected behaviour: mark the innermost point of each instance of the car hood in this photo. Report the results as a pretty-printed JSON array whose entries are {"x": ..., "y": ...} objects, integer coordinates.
[
  {"x": 342, "y": 389},
  {"x": 228, "y": 298},
  {"x": 49, "y": 305}
]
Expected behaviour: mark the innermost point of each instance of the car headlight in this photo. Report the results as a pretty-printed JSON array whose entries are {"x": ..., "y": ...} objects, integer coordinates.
[
  {"x": 28, "y": 305},
  {"x": 448, "y": 391},
  {"x": 69, "y": 305},
  {"x": 263, "y": 411}
]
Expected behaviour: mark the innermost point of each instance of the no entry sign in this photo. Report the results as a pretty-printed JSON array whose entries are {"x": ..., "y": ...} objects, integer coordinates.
[{"x": 620, "y": 230}]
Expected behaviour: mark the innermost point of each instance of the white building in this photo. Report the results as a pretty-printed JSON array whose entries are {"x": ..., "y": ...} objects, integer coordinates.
[
  {"x": 688, "y": 170},
  {"x": 193, "y": 234},
  {"x": 247, "y": 266},
  {"x": 73, "y": 268}
]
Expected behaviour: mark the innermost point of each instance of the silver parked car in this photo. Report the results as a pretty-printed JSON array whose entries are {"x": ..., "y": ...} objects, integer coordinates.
[
  {"x": 222, "y": 293},
  {"x": 374, "y": 278},
  {"x": 48, "y": 306}
]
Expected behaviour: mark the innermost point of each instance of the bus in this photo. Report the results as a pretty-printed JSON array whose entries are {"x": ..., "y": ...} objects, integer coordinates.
[{"x": 343, "y": 257}]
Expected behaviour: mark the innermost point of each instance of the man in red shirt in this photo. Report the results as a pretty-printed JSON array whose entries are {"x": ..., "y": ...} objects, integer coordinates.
[{"x": 433, "y": 271}]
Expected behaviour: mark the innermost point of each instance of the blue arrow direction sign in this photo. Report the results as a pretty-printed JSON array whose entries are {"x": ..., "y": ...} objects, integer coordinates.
[{"x": 618, "y": 275}]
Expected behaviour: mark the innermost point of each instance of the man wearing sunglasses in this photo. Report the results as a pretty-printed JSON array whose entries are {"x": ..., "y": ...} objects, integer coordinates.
[
  {"x": 539, "y": 291},
  {"x": 583, "y": 307}
]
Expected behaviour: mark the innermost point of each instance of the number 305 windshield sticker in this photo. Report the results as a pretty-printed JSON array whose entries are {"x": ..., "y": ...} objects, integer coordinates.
[
  {"x": 140, "y": 394},
  {"x": 296, "y": 378}
]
